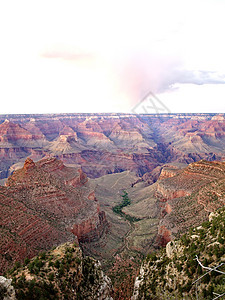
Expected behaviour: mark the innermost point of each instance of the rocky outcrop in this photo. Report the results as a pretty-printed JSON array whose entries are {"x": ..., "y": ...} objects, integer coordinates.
[
  {"x": 166, "y": 192},
  {"x": 168, "y": 171},
  {"x": 79, "y": 180},
  {"x": 60, "y": 273},
  {"x": 28, "y": 164},
  {"x": 68, "y": 132},
  {"x": 164, "y": 236},
  {"x": 92, "y": 228},
  {"x": 7, "y": 291},
  {"x": 137, "y": 283}
]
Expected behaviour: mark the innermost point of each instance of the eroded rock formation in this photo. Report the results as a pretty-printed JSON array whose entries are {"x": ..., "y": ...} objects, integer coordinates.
[
  {"x": 42, "y": 205},
  {"x": 109, "y": 143},
  {"x": 189, "y": 196}
]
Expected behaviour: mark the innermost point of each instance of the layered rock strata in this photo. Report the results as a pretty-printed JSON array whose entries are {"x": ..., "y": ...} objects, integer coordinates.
[
  {"x": 44, "y": 204},
  {"x": 189, "y": 196}
]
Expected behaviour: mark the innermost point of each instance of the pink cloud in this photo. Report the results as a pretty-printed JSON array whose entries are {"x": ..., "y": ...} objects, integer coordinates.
[{"x": 71, "y": 55}]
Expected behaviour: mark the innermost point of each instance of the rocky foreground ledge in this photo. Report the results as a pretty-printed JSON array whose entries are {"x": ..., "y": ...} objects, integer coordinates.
[
  {"x": 181, "y": 270},
  {"x": 62, "y": 273}
]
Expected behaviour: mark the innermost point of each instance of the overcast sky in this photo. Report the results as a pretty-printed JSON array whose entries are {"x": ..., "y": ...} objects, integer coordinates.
[{"x": 105, "y": 56}]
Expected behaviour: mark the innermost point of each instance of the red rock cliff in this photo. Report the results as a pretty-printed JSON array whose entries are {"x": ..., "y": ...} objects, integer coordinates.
[
  {"x": 43, "y": 202},
  {"x": 187, "y": 198}
]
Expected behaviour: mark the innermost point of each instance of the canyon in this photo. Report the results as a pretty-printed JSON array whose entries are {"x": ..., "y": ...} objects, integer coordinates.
[
  {"x": 110, "y": 143},
  {"x": 63, "y": 175}
]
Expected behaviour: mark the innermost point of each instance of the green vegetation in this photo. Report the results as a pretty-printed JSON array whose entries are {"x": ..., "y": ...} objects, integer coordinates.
[
  {"x": 118, "y": 208},
  {"x": 174, "y": 270},
  {"x": 126, "y": 201},
  {"x": 61, "y": 273}
]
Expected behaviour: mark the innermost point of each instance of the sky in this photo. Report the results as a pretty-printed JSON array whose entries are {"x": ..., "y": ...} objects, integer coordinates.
[{"x": 106, "y": 56}]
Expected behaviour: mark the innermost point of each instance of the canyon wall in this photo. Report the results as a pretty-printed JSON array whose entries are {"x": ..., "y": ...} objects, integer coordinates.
[
  {"x": 44, "y": 204},
  {"x": 101, "y": 144},
  {"x": 187, "y": 198}
]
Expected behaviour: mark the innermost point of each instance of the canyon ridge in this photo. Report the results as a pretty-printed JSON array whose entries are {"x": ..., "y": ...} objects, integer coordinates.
[{"x": 122, "y": 185}]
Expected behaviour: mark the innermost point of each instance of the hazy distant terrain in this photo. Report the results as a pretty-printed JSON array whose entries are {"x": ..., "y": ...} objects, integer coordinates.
[{"x": 110, "y": 143}]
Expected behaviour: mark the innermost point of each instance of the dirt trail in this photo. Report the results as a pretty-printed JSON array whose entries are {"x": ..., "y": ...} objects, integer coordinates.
[{"x": 116, "y": 182}]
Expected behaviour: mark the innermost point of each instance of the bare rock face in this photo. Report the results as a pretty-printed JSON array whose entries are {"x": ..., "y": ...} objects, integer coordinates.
[
  {"x": 10, "y": 132},
  {"x": 174, "y": 249},
  {"x": 7, "y": 291},
  {"x": 167, "y": 192},
  {"x": 164, "y": 236},
  {"x": 137, "y": 283},
  {"x": 24, "y": 232},
  {"x": 44, "y": 204},
  {"x": 91, "y": 229},
  {"x": 168, "y": 171},
  {"x": 79, "y": 180},
  {"x": 28, "y": 164},
  {"x": 68, "y": 132},
  {"x": 187, "y": 198}
]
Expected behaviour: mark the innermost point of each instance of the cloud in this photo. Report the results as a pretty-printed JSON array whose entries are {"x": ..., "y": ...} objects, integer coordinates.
[
  {"x": 182, "y": 76},
  {"x": 137, "y": 72},
  {"x": 69, "y": 54},
  {"x": 159, "y": 73}
]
